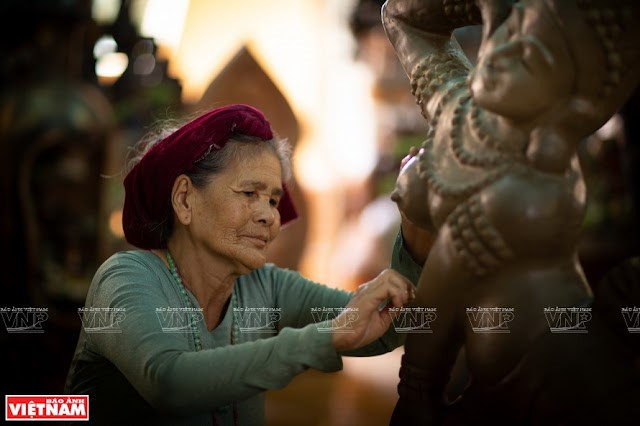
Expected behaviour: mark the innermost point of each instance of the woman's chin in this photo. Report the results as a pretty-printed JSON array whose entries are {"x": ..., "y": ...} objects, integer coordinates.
[{"x": 250, "y": 261}]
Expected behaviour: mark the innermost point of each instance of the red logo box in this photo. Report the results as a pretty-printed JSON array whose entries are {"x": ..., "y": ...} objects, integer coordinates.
[{"x": 46, "y": 407}]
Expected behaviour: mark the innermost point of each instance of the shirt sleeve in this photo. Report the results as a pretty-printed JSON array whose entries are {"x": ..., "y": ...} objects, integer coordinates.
[
  {"x": 402, "y": 261},
  {"x": 303, "y": 301},
  {"x": 173, "y": 379}
]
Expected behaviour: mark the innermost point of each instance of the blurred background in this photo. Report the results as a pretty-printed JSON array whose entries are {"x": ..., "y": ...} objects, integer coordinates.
[{"x": 82, "y": 81}]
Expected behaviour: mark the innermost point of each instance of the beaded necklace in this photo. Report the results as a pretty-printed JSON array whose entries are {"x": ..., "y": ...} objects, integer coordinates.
[{"x": 197, "y": 342}]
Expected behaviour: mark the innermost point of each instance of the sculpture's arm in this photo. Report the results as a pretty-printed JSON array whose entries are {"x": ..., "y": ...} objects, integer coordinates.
[
  {"x": 420, "y": 32},
  {"x": 419, "y": 28}
]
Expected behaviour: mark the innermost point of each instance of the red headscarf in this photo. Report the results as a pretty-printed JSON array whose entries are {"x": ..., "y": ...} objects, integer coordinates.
[{"x": 148, "y": 185}]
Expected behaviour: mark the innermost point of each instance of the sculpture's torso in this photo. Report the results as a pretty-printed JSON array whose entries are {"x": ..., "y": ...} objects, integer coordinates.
[{"x": 515, "y": 227}]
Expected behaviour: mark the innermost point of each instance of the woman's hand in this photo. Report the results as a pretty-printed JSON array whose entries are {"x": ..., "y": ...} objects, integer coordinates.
[
  {"x": 367, "y": 316},
  {"x": 413, "y": 151}
]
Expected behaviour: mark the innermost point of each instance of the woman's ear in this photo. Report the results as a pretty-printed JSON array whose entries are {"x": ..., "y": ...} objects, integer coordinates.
[{"x": 181, "y": 199}]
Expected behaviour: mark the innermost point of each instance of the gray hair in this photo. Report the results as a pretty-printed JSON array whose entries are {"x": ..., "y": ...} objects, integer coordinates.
[{"x": 239, "y": 146}]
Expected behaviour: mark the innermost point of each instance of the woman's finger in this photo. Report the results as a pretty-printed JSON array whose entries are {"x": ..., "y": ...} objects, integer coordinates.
[
  {"x": 413, "y": 151},
  {"x": 403, "y": 283},
  {"x": 389, "y": 288},
  {"x": 400, "y": 291}
]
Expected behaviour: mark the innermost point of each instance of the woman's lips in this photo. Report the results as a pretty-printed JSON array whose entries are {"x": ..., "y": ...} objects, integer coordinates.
[{"x": 257, "y": 240}]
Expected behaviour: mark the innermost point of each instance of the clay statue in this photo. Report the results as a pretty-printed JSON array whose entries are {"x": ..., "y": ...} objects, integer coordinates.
[{"x": 498, "y": 182}]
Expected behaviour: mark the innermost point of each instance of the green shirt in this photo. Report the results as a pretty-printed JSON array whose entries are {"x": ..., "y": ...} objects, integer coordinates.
[{"x": 137, "y": 365}]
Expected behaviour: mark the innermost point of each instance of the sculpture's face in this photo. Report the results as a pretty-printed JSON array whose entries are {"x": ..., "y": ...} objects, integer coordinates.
[
  {"x": 518, "y": 74},
  {"x": 411, "y": 194}
]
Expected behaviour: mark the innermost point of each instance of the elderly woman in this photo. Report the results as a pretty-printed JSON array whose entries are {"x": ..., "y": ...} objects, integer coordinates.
[
  {"x": 499, "y": 183},
  {"x": 204, "y": 204}
]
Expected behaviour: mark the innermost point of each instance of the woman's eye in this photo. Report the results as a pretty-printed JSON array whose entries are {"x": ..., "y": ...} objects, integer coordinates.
[
  {"x": 249, "y": 193},
  {"x": 274, "y": 202}
]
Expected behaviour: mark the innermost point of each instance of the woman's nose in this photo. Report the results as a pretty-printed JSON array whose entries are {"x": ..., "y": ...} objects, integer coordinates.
[{"x": 264, "y": 212}]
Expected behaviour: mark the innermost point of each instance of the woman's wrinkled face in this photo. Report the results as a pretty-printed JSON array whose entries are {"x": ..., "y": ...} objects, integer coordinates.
[
  {"x": 236, "y": 215},
  {"x": 411, "y": 194},
  {"x": 517, "y": 75}
]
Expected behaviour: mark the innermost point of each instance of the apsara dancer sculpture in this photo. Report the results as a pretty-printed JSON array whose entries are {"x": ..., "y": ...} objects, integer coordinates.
[{"x": 498, "y": 182}]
